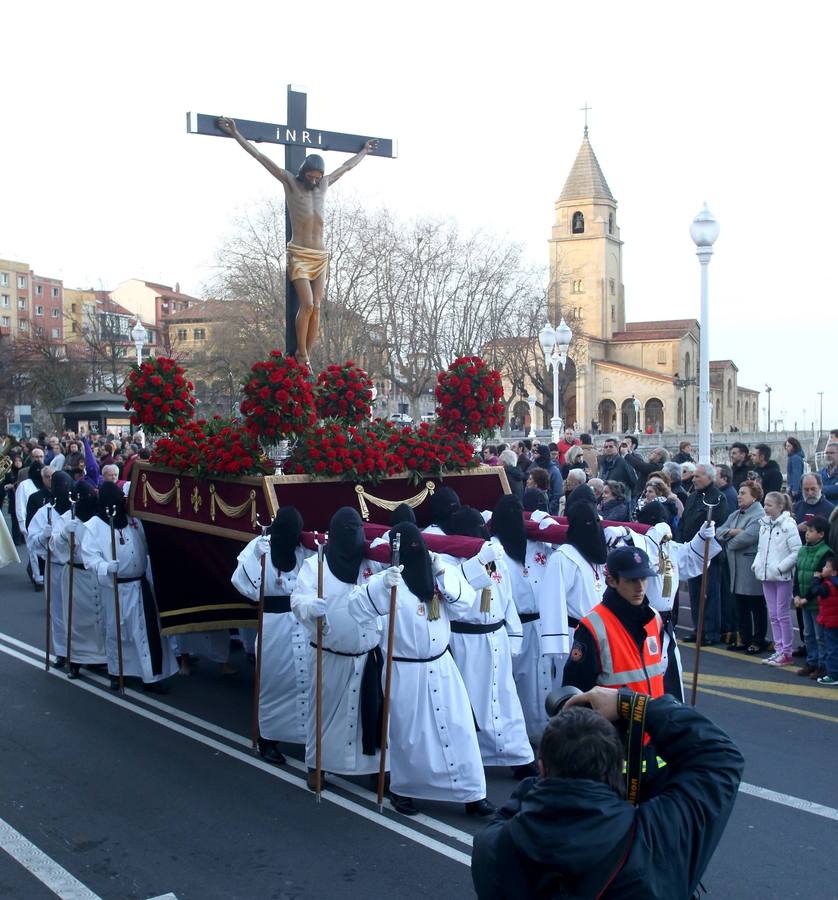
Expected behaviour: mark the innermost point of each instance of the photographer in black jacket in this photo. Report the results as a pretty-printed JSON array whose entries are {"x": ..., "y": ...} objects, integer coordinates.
[{"x": 570, "y": 833}]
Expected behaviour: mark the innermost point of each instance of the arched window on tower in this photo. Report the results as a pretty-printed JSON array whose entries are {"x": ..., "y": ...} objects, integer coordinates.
[
  {"x": 729, "y": 392},
  {"x": 578, "y": 226},
  {"x": 611, "y": 223},
  {"x": 687, "y": 365}
]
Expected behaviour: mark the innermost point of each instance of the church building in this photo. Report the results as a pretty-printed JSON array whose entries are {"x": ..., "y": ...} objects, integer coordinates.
[{"x": 613, "y": 361}]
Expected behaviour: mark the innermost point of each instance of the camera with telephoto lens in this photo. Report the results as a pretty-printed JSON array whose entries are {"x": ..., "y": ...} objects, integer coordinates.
[{"x": 555, "y": 701}]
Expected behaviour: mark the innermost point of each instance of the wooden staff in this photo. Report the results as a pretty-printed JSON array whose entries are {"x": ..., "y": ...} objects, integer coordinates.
[
  {"x": 318, "y": 720},
  {"x": 70, "y": 592},
  {"x": 700, "y": 626},
  {"x": 48, "y": 641},
  {"x": 388, "y": 674},
  {"x": 111, "y": 514},
  {"x": 254, "y": 732}
]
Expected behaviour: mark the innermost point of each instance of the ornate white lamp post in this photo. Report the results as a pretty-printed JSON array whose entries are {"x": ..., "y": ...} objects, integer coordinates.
[
  {"x": 138, "y": 336},
  {"x": 704, "y": 231},
  {"x": 555, "y": 343},
  {"x": 531, "y": 401}
]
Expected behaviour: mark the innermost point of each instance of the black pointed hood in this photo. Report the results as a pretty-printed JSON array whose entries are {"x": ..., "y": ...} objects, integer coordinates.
[
  {"x": 346, "y": 547},
  {"x": 413, "y": 555},
  {"x": 444, "y": 503},
  {"x": 509, "y": 528},
  {"x": 285, "y": 532}
]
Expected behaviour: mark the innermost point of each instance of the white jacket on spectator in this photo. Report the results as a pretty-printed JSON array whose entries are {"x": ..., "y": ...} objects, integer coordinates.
[{"x": 779, "y": 541}]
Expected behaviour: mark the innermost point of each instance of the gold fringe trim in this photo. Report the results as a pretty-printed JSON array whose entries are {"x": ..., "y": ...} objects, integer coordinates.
[
  {"x": 233, "y": 512},
  {"x": 159, "y": 498},
  {"x": 364, "y": 498}
]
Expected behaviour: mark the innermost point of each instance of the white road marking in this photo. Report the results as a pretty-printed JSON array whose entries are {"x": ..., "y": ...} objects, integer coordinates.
[
  {"x": 349, "y": 805},
  {"x": 816, "y": 809},
  {"x": 169, "y": 896},
  {"x": 43, "y": 867},
  {"x": 433, "y": 824}
]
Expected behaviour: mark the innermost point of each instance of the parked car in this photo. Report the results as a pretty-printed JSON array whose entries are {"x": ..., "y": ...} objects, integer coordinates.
[{"x": 402, "y": 418}]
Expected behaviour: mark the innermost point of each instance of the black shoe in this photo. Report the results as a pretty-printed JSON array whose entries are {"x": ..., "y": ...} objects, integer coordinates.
[
  {"x": 75, "y": 669},
  {"x": 38, "y": 587},
  {"x": 801, "y": 651},
  {"x": 403, "y": 805},
  {"x": 529, "y": 770},
  {"x": 114, "y": 684},
  {"x": 269, "y": 751},
  {"x": 60, "y": 662},
  {"x": 154, "y": 687},
  {"x": 311, "y": 780},
  {"x": 480, "y": 808},
  {"x": 97, "y": 667}
]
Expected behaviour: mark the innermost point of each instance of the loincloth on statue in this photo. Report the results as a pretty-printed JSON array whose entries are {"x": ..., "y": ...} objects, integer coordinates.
[{"x": 306, "y": 262}]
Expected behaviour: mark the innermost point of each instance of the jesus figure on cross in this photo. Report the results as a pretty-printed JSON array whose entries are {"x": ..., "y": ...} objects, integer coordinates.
[{"x": 308, "y": 259}]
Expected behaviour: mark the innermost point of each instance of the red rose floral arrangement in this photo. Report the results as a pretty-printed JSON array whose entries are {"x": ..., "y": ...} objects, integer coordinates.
[
  {"x": 430, "y": 451},
  {"x": 278, "y": 399},
  {"x": 470, "y": 397},
  {"x": 159, "y": 396},
  {"x": 349, "y": 453},
  {"x": 220, "y": 448},
  {"x": 343, "y": 393}
]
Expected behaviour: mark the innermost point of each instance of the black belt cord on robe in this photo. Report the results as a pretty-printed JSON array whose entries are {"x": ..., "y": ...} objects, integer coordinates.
[
  {"x": 152, "y": 624},
  {"x": 472, "y": 628},
  {"x": 277, "y": 603},
  {"x": 372, "y": 696},
  {"x": 372, "y": 702}
]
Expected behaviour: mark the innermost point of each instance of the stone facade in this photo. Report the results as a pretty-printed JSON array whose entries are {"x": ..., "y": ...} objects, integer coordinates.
[{"x": 617, "y": 361}]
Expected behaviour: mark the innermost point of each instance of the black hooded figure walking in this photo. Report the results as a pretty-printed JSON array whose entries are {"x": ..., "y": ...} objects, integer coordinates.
[
  {"x": 352, "y": 660},
  {"x": 284, "y": 679},
  {"x": 444, "y": 503},
  {"x": 145, "y": 653}
]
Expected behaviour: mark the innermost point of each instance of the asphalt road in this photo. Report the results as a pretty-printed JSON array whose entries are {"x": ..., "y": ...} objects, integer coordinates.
[{"x": 142, "y": 797}]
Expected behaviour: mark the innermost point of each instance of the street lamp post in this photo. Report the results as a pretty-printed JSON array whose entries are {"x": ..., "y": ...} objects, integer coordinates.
[
  {"x": 820, "y": 427},
  {"x": 683, "y": 384},
  {"x": 138, "y": 336},
  {"x": 704, "y": 231},
  {"x": 555, "y": 343},
  {"x": 531, "y": 401},
  {"x": 768, "y": 391}
]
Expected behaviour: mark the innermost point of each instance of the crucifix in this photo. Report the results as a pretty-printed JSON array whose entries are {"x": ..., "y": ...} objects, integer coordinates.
[
  {"x": 305, "y": 184},
  {"x": 586, "y": 109}
]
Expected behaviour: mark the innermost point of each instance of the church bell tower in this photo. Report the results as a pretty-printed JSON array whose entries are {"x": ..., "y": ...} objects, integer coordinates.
[{"x": 586, "y": 253}]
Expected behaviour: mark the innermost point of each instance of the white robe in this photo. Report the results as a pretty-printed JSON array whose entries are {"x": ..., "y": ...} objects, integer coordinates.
[
  {"x": 284, "y": 677},
  {"x": 88, "y": 644},
  {"x": 37, "y": 546},
  {"x": 572, "y": 587},
  {"x": 532, "y": 669},
  {"x": 23, "y": 492},
  {"x": 8, "y": 551},
  {"x": 133, "y": 561},
  {"x": 485, "y": 662},
  {"x": 433, "y": 749},
  {"x": 342, "y": 749}
]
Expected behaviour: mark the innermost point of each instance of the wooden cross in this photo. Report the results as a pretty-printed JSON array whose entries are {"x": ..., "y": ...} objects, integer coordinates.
[
  {"x": 297, "y": 136},
  {"x": 586, "y": 109}
]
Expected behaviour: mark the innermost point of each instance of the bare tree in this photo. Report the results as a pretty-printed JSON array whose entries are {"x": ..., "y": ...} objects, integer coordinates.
[{"x": 51, "y": 375}]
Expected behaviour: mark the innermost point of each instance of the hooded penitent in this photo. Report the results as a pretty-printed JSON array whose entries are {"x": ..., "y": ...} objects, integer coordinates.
[
  {"x": 62, "y": 483},
  {"x": 112, "y": 500},
  {"x": 285, "y": 532},
  {"x": 86, "y": 500},
  {"x": 444, "y": 503},
  {"x": 346, "y": 547},
  {"x": 414, "y": 556},
  {"x": 35, "y": 475},
  {"x": 582, "y": 494},
  {"x": 653, "y": 513},
  {"x": 535, "y": 499},
  {"x": 468, "y": 522},
  {"x": 584, "y": 532},
  {"x": 508, "y": 526},
  {"x": 402, "y": 513}
]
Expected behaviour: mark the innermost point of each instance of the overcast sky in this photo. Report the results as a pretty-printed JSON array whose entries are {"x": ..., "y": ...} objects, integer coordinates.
[{"x": 732, "y": 103}]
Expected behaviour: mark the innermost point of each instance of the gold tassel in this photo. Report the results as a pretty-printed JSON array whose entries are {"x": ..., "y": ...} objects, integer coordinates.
[
  {"x": 665, "y": 567},
  {"x": 433, "y": 607},
  {"x": 486, "y": 593}
]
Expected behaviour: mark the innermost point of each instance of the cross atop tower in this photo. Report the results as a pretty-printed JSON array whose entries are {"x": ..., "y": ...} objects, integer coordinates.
[{"x": 586, "y": 109}]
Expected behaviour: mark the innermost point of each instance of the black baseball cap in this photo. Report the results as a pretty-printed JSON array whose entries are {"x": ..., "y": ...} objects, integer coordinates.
[{"x": 629, "y": 562}]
